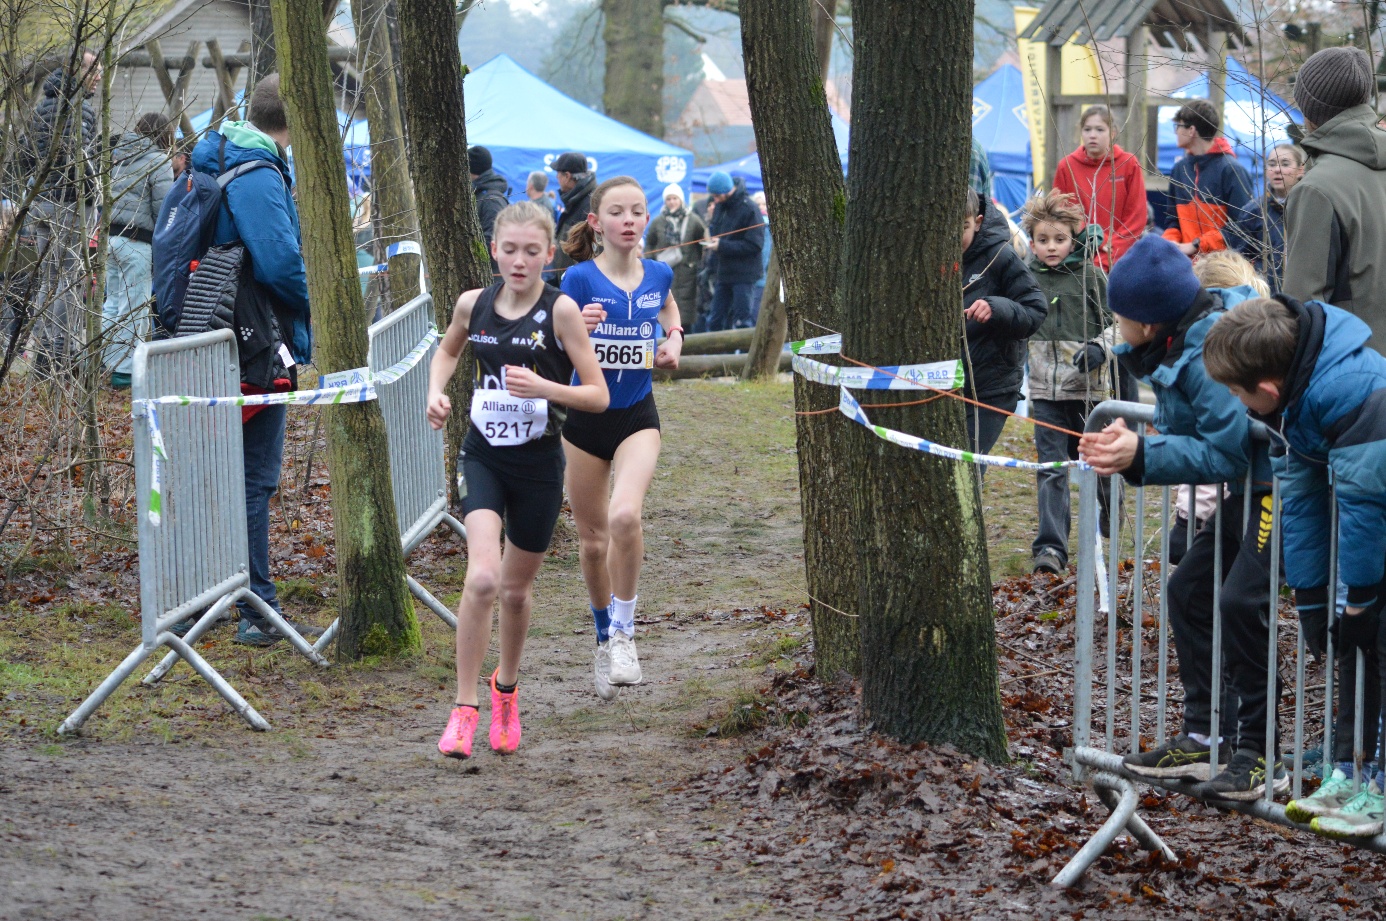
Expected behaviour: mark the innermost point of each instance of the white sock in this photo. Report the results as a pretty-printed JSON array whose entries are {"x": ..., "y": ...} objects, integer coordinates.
[
  {"x": 1201, "y": 739},
  {"x": 623, "y": 615}
]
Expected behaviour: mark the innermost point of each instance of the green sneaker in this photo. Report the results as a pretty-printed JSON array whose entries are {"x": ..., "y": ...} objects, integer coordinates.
[
  {"x": 1244, "y": 780},
  {"x": 1360, "y": 818},
  {"x": 1332, "y": 795}
]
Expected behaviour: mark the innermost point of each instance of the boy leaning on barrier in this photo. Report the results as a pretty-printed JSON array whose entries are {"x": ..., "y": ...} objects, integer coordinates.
[
  {"x": 1306, "y": 370},
  {"x": 1163, "y": 315}
]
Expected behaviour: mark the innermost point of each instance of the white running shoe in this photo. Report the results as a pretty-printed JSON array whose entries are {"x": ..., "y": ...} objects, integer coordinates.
[
  {"x": 601, "y": 672},
  {"x": 625, "y": 664}
]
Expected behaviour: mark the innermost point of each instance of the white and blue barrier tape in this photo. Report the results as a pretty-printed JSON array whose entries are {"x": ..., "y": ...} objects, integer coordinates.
[{"x": 354, "y": 386}]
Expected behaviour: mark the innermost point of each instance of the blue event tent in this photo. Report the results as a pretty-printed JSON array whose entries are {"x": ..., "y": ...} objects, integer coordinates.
[
  {"x": 526, "y": 123},
  {"x": 748, "y": 167},
  {"x": 1254, "y": 119},
  {"x": 1000, "y": 124}
]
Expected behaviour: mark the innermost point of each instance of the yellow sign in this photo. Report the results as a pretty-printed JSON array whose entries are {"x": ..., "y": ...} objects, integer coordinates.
[{"x": 1081, "y": 77}]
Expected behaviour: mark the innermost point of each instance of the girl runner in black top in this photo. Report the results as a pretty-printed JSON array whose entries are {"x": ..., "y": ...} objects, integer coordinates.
[{"x": 528, "y": 339}]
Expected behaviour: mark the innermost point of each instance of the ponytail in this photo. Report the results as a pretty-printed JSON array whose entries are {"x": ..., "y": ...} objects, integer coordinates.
[{"x": 581, "y": 244}]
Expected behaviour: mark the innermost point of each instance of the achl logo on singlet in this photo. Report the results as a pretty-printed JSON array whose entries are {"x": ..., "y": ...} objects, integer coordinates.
[{"x": 649, "y": 299}]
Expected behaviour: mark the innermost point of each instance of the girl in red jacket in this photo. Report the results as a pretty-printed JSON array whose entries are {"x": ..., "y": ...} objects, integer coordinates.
[{"x": 1109, "y": 184}]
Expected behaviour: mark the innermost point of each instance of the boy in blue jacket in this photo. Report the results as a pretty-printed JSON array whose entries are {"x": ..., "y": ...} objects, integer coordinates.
[
  {"x": 1306, "y": 370},
  {"x": 1163, "y": 315}
]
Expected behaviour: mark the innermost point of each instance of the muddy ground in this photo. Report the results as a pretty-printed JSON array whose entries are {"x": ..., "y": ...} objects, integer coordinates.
[{"x": 732, "y": 785}]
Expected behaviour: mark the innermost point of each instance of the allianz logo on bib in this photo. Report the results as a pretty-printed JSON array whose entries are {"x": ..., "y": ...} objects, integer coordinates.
[{"x": 643, "y": 331}]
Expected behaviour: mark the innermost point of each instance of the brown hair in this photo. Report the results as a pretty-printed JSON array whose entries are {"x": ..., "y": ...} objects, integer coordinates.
[
  {"x": 1203, "y": 115},
  {"x": 524, "y": 212},
  {"x": 1228, "y": 269},
  {"x": 157, "y": 127},
  {"x": 1058, "y": 208},
  {"x": 1252, "y": 343},
  {"x": 266, "y": 109},
  {"x": 581, "y": 244},
  {"x": 1101, "y": 112}
]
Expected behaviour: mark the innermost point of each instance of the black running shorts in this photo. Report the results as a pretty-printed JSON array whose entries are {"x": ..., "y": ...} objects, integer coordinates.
[
  {"x": 600, "y": 434},
  {"x": 526, "y": 497}
]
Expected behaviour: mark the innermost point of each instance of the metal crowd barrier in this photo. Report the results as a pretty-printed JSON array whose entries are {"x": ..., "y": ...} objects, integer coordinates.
[
  {"x": 195, "y": 560},
  {"x": 1095, "y": 756},
  {"x": 417, "y": 471}
]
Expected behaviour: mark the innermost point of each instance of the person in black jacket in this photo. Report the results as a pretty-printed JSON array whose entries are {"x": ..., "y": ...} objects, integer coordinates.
[
  {"x": 1002, "y": 307},
  {"x": 492, "y": 194},
  {"x": 61, "y": 210},
  {"x": 737, "y": 236},
  {"x": 575, "y": 184}
]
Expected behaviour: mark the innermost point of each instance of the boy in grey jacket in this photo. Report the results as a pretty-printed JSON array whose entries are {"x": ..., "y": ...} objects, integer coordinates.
[{"x": 140, "y": 180}]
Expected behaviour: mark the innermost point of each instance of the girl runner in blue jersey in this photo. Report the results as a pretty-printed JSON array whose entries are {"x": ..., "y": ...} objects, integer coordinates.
[
  {"x": 529, "y": 342},
  {"x": 623, "y": 297}
]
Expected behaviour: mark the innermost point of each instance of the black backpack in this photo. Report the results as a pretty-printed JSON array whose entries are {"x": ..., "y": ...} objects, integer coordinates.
[{"x": 223, "y": 294}]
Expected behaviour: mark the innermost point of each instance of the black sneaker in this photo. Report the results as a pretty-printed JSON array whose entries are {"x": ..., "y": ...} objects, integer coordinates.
[
  {"x": 251, "y": 633},
  {"x": 1243, "y": 780},
  {"x": 1047, "y": 560},
  {"x": 1182, "y": 759}
]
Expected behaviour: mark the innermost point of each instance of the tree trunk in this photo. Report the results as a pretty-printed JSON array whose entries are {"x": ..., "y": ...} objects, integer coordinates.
[
  {"x": 376, "y": 611},
  {"x": 453, "y": 245},
  {"x": 824, "y": 31},
  {"x": 392, "y": 194},
  {"x": 263, "y": 60},
  {"x": 807, "y": 201},
  {"x": 763, "y": 359},
  {"x": 928, "y": 636},
  {"x": 634, "y": 90}
]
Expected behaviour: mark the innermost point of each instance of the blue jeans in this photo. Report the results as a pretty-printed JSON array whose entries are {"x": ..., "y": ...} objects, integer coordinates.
[
  {"x": 263, "y": 449},
  {"x": 129, "y": 283},
  {"x": 730, "y": 307}
]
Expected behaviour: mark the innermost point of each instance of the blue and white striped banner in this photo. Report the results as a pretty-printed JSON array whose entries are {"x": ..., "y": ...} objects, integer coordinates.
[{"x": 938, "y": 375}]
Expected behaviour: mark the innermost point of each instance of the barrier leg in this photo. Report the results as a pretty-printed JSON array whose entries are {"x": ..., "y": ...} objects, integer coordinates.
[
  {"x": 1142, "y": 832},
  {"x": 277, "y": 621},
  {"x": 204, "y": 623},
  {"x": 456, "y": 525},
  {"x": 1097, "y": 845},
  {"x": 97, "y": 697},
  {"x": 328, "y": 635},
  {"x": 213, "y": 677},
  {"x": 434, "y": 605}
]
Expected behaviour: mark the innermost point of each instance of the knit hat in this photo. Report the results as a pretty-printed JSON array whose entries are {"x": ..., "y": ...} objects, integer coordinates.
[
  {"x": 1154, "y": 283},
  {"x": 1332, "y": 81},
  {"x": 478, "y": 160},
  {"x": 673, "y": 189},
  {"x": 570, "y": 162},
  {"x": 719, "y": 183}
]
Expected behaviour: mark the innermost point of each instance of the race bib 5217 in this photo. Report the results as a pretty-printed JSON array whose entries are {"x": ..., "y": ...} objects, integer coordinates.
[{"x": 504, "y": 420}]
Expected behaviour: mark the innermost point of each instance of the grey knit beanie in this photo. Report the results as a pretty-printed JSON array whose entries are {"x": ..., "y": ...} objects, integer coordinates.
[{"x": 1332, "y": 81}]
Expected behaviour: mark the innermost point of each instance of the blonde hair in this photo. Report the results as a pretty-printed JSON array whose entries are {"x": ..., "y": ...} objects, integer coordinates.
[
  {"x": 1228, "y": 269},
  {"x": 1058, "y": 208},
  {"x": 581, "y": 244},
  {"x": 525, "y": 212}
]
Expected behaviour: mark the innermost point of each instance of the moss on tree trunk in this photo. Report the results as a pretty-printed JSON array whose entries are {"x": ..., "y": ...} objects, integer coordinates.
[
  {"x": 377, "y": 613},
  {"x": 633, "y": 31}
]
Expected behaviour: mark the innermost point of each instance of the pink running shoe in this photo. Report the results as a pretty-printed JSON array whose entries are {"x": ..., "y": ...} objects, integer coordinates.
[
  {"x": 457, "y": 738},
  {"x": 505, "y": 719}
]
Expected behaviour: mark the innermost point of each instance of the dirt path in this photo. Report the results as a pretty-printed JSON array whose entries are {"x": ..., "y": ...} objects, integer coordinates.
[{"x": 346, "y": 810}]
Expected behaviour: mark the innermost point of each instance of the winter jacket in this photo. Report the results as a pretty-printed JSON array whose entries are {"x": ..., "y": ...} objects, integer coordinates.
[
  {"x": 260, "y": 212},
  {"x": 739, "y": 253},
  {"x": 994, "y": 355},
  {"x": 1204, "y": 191},
  {"x": 1076, "y": 293},
  {"x": 74, "y": 166},
  {"x": 492, "y": 195},
  {"x": 1204, "y": 432},
  {"x": 1112, "y": 193},
  {"x": 1260, "y": 237},
  {"x": 1335, "y": 220},
  {"x": 577, "y": 202},
  {"x": 663, "y": 233},
  {"x": 1334, "y": 421},
  {"x": 140, "y": 181}
]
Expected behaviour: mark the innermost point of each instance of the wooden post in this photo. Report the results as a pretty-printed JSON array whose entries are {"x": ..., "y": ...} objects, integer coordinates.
[
  {"x": 1135, "y": 128},
  {"x": 1217, "y": 69},
  {"x": 225, "y": 106},
  {"x": 172, "y": 106},
  {"x": 180, "y": 86},
  {"x": 1053, "y": 89}
]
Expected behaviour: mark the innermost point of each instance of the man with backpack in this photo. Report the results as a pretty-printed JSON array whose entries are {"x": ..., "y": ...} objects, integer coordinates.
[{"x": 256, "y": 210}]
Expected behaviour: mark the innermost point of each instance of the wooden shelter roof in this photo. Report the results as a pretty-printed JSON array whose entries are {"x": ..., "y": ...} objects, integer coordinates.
[{"x": 1170, "y": 21}]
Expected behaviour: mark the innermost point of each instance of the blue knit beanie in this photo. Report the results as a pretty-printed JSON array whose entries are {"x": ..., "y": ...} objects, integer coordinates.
[
  {"x": 719, "y": 183},
  {"x": 1154, "y": 283}
]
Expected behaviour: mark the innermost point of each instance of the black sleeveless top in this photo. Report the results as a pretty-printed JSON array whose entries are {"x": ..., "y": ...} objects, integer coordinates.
[{"x": 528, "y": 342}]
